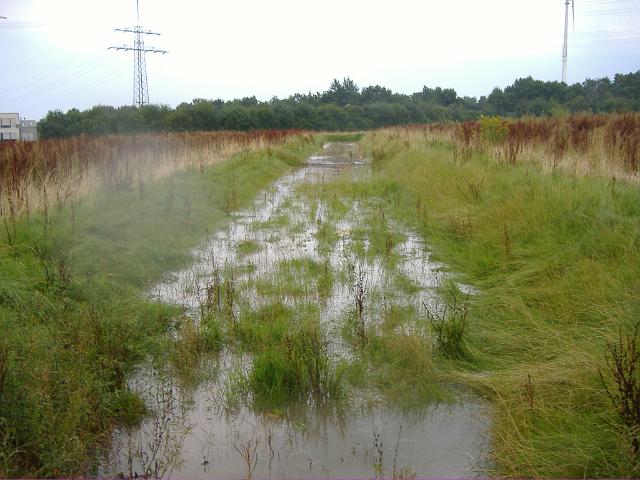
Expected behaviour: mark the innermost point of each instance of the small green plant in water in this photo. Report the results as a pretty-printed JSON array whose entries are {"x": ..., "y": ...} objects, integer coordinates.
[
  {"x": 296, "y": 368},
  {"x": 448, "y": 322}
]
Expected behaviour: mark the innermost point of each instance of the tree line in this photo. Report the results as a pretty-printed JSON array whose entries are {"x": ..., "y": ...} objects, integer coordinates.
[{"x": 345, "y": 106}]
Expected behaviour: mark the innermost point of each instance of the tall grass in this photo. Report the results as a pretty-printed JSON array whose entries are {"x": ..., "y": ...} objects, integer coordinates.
[
  {"x": 74, "y": 319},
  {"x": 600, "y": 145},
  {"x": 38, "y": 175},
  {"x": 291, "y": 359},
  {"x": 555, "y": 257}
]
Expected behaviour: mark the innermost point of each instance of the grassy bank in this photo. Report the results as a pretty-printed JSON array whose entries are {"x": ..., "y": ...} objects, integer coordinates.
[
  {"x": 555, "y": 258},
  {"x": 73, "y": 317},
  {"x": 607, "y": 146}
]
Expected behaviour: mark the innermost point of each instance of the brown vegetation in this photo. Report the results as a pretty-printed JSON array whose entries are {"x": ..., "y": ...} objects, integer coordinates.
[
  {"x": 36, "y": 175},
  {"x": 601, "y": 145}
]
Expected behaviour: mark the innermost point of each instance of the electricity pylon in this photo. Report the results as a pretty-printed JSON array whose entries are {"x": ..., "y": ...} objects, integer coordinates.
[{"x": 140, "y": 83}]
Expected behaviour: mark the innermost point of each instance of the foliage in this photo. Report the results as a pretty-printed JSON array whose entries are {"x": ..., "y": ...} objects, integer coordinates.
[
  {"x": 291, "y": 359},
  {"x": 605, "y": 145},
  {"x": 623, "y": 360},
  {"x": 448, "y": 323},
  {"x": 344, "y": 106},
  {"x": 554, "y": 260},
  {"x": 493, "y": 130},
  {"x": 73, "y": 317}
]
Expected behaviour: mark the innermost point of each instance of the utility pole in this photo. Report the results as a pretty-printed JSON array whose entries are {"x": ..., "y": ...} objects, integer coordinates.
[
  {"x": 140, "y": 83},
  {"x": 566, "y": 41}
]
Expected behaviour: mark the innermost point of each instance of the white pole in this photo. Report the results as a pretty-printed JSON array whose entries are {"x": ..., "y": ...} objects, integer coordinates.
[{"x": 566, "y": 39}]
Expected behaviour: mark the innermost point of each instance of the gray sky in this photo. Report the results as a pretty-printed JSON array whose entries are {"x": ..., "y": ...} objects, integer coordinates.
[{"x": 53, "y": 54}]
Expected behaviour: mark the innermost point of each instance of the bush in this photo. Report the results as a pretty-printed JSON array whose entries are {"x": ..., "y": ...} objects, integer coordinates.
[{"x": 493, "y": 130}]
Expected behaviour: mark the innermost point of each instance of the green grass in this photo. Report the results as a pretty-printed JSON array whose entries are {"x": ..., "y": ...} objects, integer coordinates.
[
  {"x": 73, "y": 315},
  {"x": 296, "y": 278},
  {"x": 290, "y": 361},
  {"x": 342, "y": 137},
  {"x": 247, "y": 247},
  {"x": 556, "y": 261}
]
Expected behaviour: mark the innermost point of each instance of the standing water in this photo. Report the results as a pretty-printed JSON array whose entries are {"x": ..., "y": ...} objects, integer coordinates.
[{"x": 213, "y": 427}]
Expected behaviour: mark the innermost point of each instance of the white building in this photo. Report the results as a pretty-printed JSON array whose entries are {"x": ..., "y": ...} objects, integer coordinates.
[
  {"x": 9, "y": 126},
  {"x": 12, "y": 128},
  {"x": 28, "y": 130}
]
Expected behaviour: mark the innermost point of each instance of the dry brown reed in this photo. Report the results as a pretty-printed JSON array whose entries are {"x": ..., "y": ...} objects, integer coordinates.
[
  {"x": 600, "y": 145},
  {"x": 35, "y": 176}
]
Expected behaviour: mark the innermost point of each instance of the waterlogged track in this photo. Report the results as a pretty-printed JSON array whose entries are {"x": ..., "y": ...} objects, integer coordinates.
[{"x": 307, "y": 251}]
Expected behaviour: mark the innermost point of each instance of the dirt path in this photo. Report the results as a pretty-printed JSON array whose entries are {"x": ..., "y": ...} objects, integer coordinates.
[{"x": 316, "y": 253}]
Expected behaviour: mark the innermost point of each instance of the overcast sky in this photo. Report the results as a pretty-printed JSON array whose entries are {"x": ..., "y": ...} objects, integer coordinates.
[{"x": 53, "y": 54}]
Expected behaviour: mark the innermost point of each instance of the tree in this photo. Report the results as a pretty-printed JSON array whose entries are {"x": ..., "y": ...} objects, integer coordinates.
[
  {"x": 343, "y": 106},
  {"x": 376, "y": 94},
  {"x": 343, "y": 93}
]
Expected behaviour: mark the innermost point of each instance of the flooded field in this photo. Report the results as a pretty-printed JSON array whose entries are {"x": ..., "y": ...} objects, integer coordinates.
[{"x": 306, "y": 284}]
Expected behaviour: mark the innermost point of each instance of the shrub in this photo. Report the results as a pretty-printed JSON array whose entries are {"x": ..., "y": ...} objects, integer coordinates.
[{"x": 493, "y": 130}]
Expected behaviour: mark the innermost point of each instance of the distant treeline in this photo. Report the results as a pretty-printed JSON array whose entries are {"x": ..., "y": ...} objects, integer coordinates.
[{"x": 345, "y": 106}]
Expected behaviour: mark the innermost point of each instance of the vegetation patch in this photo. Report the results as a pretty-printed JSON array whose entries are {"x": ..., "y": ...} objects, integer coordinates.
[
  {"x": 554, "y": 258},
  {"x": 73, "y": 313},
  {"x": 247, "y": 247}
]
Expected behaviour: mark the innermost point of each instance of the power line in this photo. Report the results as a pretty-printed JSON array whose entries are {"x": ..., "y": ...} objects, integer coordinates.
[
  {"x": 599, "y": 13},
  {"x": 90, "y": 79},
  {"x": 608, "y": 43},
  {"x": 21, "y": 24},
  {"x": 597, "y": 3},
  {"x": 140, "y": 82},
  {"x": 58, "y": 70},
  {"x": 56, "y": 82},
  {"x": 604, "y": 33}
]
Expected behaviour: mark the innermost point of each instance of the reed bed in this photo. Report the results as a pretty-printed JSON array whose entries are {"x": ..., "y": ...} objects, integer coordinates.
[{"x": 34, "y": 176}]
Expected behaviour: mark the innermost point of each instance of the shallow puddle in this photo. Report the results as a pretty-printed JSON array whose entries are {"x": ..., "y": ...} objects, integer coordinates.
[{"x": 293, "y": 247}]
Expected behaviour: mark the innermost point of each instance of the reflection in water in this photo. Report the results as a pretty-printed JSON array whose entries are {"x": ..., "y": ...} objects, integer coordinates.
[{"x": 214, "y": 431}]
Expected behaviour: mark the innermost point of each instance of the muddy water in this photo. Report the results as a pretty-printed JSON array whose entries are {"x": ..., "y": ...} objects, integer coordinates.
[{"x": 208, "y": 428}]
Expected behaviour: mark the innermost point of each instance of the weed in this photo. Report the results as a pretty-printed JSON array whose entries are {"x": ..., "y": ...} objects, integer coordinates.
[
  {"x": 248, "y": 451},
  {"x": 466, "y": 136},
  {"x": 623, "y": 360},
  {"x": 212, "y": 334},
  {"x": 493, "y": 130},
  {"x": 230, "y": 297},
  {"x": 4, "y": 365},
  {"x": 529, "y": 391},
  {"x": 506, "y": 242},
  {"x": 600, "y": 144},
  {"x": 401, "y": 473},
  {"x": 292, "y": 360},
  {"x": 247, "y": 247},
  {"x": 274, "y": 377},
  {"x": 312, "y": 349},
  {"x": 460, "y": 228},
  {"x": 214, "y": 290},
  {"x": 360, "y": 291},
  {"x": 378, "y": 456},
  {"x": 189, "y": 344},
  {"x": 448, "y": 322},
  {"x": 475, "y": 189}
]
